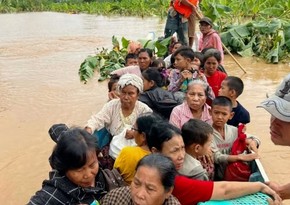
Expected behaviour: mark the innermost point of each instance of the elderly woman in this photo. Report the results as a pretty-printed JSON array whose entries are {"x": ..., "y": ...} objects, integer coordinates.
[
  {"x": 119, "y": 115},
  {"x": 145, "y": 58},
  {"x": 166, "y": 139},
  {"x": 195, "y": 105},
  {"x": 152, "y": 184}
]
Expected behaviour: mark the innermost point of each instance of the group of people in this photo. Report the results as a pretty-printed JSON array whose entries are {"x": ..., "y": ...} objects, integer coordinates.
[{"x": 168, "y": 128}]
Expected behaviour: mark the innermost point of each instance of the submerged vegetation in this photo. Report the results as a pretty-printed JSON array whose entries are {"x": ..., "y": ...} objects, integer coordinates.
[{"x": 250, "y": 28}]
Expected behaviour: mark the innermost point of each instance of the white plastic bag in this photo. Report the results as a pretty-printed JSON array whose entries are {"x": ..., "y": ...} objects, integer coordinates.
[{"x": 119, "y": 142}]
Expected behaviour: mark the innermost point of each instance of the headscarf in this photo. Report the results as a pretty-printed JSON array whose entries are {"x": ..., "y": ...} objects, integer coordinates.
[{"x": 130, "y": 79}]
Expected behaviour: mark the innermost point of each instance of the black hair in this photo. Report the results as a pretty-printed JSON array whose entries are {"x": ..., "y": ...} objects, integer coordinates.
[
  {"x": 145, "y": 121},
  {"x": 72, "y": 149},
  {"x": 199, "y": 55},
  {"x": 164, "y": 166},
  {"x": 157, "y": 62},
  {"x": 195, "y": 131},
  {"x": 161, "y": 132},
  {"x": 130, "y": 56},
  {"x": 113, "y": 79},
  {"x": 152, "y": 73},
  {"x": 184, "y": 51},
  {"x": 222, "y": 101},
  {"x": 146, "y": 50},
  {"x": 235, "y": 83},
  {"x": 172, "y": 59},
  {"x": 212, "y": 53}
]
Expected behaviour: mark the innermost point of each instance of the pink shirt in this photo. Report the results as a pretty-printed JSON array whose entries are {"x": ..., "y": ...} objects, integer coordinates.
[
  {"x": 129, "y": 69},
  {"x": 212, "y": 40},
  {"x": 182, "y": 113}
]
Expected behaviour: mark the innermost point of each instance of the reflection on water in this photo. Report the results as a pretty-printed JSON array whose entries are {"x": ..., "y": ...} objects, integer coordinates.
[{"x": 40, "y": 54}]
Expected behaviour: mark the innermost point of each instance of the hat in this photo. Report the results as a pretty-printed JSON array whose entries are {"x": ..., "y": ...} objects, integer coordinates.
[
  {"x": 56, "y": 130},
  {"x": 279, "y": 104},
  {"x": 206, "y": 20}
]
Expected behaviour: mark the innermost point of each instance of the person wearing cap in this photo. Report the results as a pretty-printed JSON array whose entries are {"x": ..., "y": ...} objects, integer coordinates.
[
  {"x": 279, "y": 108},
  {"x": 210, "y": 38}
]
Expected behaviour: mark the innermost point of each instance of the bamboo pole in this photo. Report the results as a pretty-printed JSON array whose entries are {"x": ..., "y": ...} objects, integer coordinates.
[{"x": 233, "y": 57}]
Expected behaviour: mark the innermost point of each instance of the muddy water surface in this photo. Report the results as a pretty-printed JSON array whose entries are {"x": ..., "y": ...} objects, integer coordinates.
[{"x": 40, "y": 54}]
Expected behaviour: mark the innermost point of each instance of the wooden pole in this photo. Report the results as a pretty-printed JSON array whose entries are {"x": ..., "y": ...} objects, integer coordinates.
[{"x": 237, "y": 62}]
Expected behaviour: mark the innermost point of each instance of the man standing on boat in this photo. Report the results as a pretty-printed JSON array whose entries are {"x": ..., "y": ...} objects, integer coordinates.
[
  {"x": 279, "y": 108},
  {"x": 177, "y": 19}
]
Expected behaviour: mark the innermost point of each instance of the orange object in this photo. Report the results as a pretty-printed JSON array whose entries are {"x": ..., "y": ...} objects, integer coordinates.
[{"x": 183, "y": 9}]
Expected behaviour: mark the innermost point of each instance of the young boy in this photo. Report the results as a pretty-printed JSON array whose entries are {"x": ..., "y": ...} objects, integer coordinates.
[
  {"x": 131, "y": 59},
  {"x": 185, "y": 70},
  {"x": 232, "y": 87},
  {"x": 197, "y": 136},
  {"x": 225, "y": 135}
]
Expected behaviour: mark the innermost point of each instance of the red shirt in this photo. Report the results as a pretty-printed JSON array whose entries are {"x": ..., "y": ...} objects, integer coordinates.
[
  {"x": 215, "y": 81},
  {"x": 190, "y": 192}
]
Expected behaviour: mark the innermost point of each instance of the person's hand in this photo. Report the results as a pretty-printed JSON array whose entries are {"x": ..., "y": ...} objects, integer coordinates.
[
  {"x": 273, "y": 185},
  {"x": 186, "y": 74},
  {"x": 113, "y": 95},
  {"x": 129, "y": 134},
  {"x": 275, "y": 198},
  {"x": 208, "y": 157},
  {"x": 248, "y": 157},
  {"x": 89, "y": 130},
  {"x": 252, "y": 144}
]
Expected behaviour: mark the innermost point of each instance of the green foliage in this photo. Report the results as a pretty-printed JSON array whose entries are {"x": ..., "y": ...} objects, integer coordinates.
[
  {"x": 269, "y": 40},
  {"x": 104, "y": 7},
  {"x": 107, "y": 61},
  {"x": 104, "y": 62},
  {"x": 252, "y": 27}
]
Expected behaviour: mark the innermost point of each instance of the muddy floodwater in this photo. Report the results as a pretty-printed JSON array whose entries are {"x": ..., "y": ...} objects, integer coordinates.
[{"x": 40, "y": 54}]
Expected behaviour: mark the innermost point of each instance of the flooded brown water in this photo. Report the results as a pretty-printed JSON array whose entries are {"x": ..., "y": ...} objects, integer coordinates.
[{"x": 40, "y": 54}]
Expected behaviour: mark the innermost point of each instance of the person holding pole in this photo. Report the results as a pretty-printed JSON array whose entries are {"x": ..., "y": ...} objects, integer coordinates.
[{"x": 210, "y": 38}]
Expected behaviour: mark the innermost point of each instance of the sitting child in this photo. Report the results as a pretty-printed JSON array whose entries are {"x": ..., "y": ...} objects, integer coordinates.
[
  {"x": 185, "y": 71},
  {"x": 232, "y": 87},
  {"x": 225, "y": 135},
  {"x": 128, "y": 158},
  {"x": 112, "y": 87},
  {"x": 197, "y": 136}
]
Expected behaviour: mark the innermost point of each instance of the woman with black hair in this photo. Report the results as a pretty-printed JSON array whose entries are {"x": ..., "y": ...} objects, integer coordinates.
[
  {"x": 152, "y": 184},
  {"x": 158, "y": 99},
  {"x": 76, "y": 177}
]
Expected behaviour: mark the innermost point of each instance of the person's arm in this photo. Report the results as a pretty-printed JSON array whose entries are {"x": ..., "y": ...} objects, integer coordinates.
[
  {"x": 242, "y": 157},
  {"x": 127, "y": 69},
  {"x": 282, "y": 190},
  {"x": 99, "y": 120},
  {"x": 187, "y": 3},
  {"x": 229, "y": 190}
]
